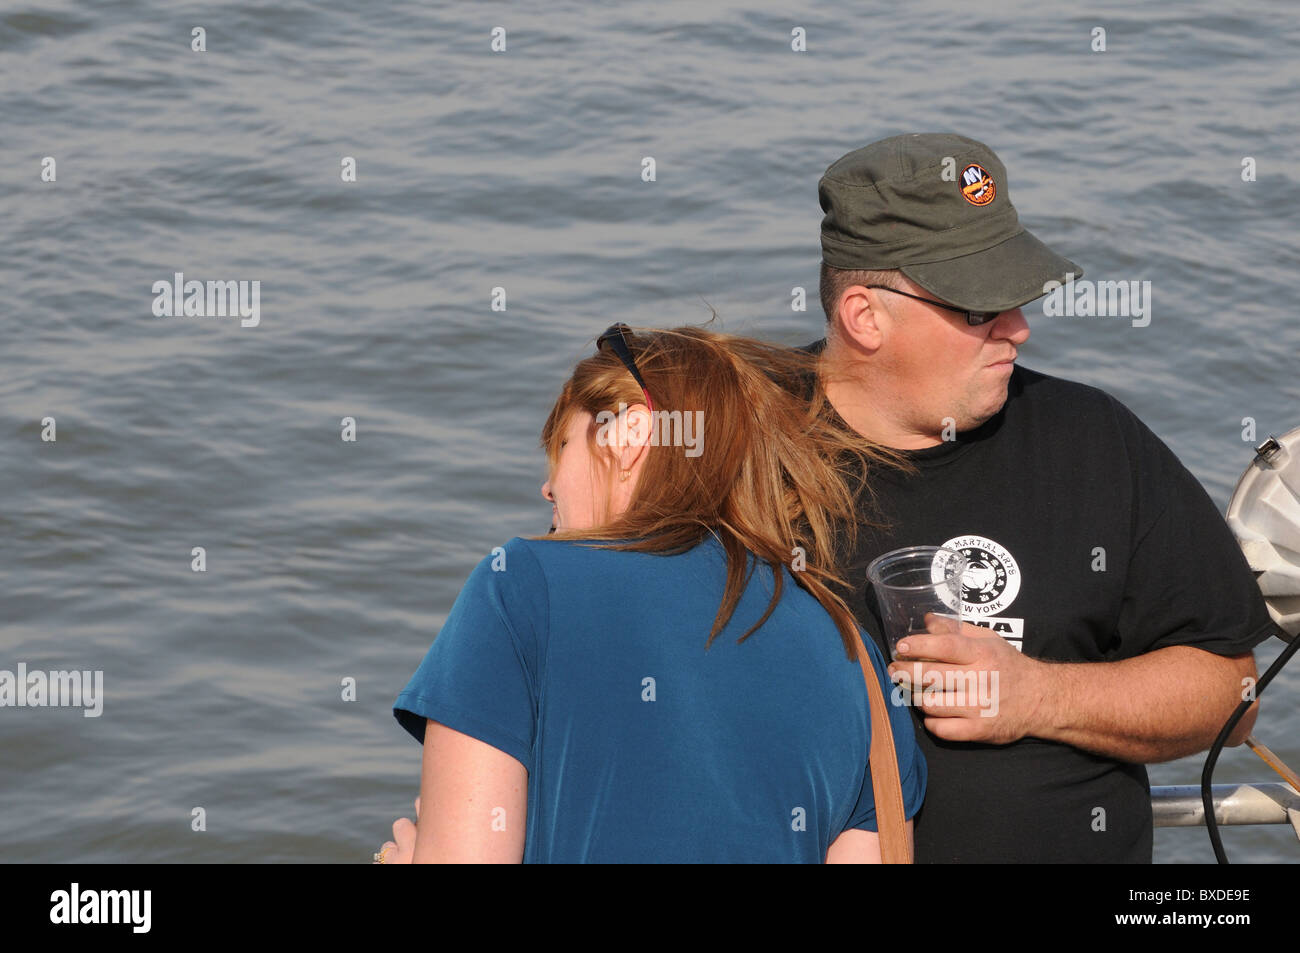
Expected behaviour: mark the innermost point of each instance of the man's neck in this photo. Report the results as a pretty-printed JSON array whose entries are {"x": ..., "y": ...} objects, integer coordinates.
[
  {"x": 863, "y": 413},
  {"x": 874, "y": 413}
]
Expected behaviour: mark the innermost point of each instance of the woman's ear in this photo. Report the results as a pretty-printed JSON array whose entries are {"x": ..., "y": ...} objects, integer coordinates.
[{"x": 638, "y": 431}]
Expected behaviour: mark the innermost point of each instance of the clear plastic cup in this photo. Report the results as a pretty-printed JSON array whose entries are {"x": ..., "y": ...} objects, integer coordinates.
[{"x": 914, "y": 582}]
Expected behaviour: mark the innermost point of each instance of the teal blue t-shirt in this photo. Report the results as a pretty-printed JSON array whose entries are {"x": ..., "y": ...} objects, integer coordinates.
[{"x": 589, "y": 667}]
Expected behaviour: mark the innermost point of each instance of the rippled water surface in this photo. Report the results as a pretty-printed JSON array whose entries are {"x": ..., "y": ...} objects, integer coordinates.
[{"x": 329, "y": 560}]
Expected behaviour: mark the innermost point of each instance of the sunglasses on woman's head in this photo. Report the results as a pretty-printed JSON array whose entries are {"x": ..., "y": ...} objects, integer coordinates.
[{"x": 615, "y": 338}]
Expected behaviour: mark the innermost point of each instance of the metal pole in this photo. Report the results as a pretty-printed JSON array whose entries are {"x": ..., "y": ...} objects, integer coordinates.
[{"x": 1268, "y": 803}]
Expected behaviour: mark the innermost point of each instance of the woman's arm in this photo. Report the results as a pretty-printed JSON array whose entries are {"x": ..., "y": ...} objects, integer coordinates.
[
  {"x": 473, "y": 801},
  {"x": 858, "y": 847}
]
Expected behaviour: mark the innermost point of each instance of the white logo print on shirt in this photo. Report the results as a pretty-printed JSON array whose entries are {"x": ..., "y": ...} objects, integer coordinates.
[{"x": 990, "y": 584}]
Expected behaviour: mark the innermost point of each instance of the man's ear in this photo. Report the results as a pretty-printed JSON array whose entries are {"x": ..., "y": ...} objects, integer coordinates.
[{"x": 861, "y": 320}]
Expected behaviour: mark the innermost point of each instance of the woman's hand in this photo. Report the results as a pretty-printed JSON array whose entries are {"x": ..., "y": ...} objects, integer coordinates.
[{"x": 401, "y": 848}]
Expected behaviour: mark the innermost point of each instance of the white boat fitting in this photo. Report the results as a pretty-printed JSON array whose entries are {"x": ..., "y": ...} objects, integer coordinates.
[{"x": 1264, "y": 515}]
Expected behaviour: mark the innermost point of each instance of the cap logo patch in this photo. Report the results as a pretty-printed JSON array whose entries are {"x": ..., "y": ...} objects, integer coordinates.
[{"x": 977, "y": 186}]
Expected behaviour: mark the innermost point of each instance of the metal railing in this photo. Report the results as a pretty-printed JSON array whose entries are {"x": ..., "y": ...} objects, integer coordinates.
[{"x": 1270, "y": 803}]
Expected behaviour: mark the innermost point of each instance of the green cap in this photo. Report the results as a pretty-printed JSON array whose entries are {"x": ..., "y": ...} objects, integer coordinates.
[{"x": 947, "y": 225}]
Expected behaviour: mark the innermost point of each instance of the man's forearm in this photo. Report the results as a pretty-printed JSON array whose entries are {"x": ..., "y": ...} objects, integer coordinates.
[{"x": 1157, "y": 707}]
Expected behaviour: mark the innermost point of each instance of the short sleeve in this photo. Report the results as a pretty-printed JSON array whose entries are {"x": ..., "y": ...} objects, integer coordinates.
[
  {"x": 912, "y": 771},
  {"x": 480, "y": 677},
  {"x": 1187, "y": 582}
]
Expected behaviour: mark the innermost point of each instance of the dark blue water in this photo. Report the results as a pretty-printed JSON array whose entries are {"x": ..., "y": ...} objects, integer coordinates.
[{"x": 330, "y": 560}]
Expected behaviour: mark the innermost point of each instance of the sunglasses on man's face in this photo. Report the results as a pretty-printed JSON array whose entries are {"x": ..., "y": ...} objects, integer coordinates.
[
  {"x": 973, "y": 318},
  {"x": 615, "y": 338}
]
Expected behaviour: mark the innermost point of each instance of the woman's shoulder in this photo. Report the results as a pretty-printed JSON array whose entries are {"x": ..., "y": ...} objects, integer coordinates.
[
  {"x": 552, "y": 548},
  {"x": 560, "y": 561},
  {"x": 538, "y": 555}
]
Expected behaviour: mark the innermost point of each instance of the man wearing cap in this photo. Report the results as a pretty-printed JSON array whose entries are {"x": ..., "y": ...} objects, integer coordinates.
[{"x": 1113, "y": 615}]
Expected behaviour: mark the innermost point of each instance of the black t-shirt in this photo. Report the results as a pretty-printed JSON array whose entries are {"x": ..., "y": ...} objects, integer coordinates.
[{"x": 1088, "y": 541}]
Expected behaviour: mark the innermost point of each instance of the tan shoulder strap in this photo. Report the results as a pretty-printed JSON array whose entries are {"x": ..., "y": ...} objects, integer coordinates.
[{"x": 886, "y": 786}]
